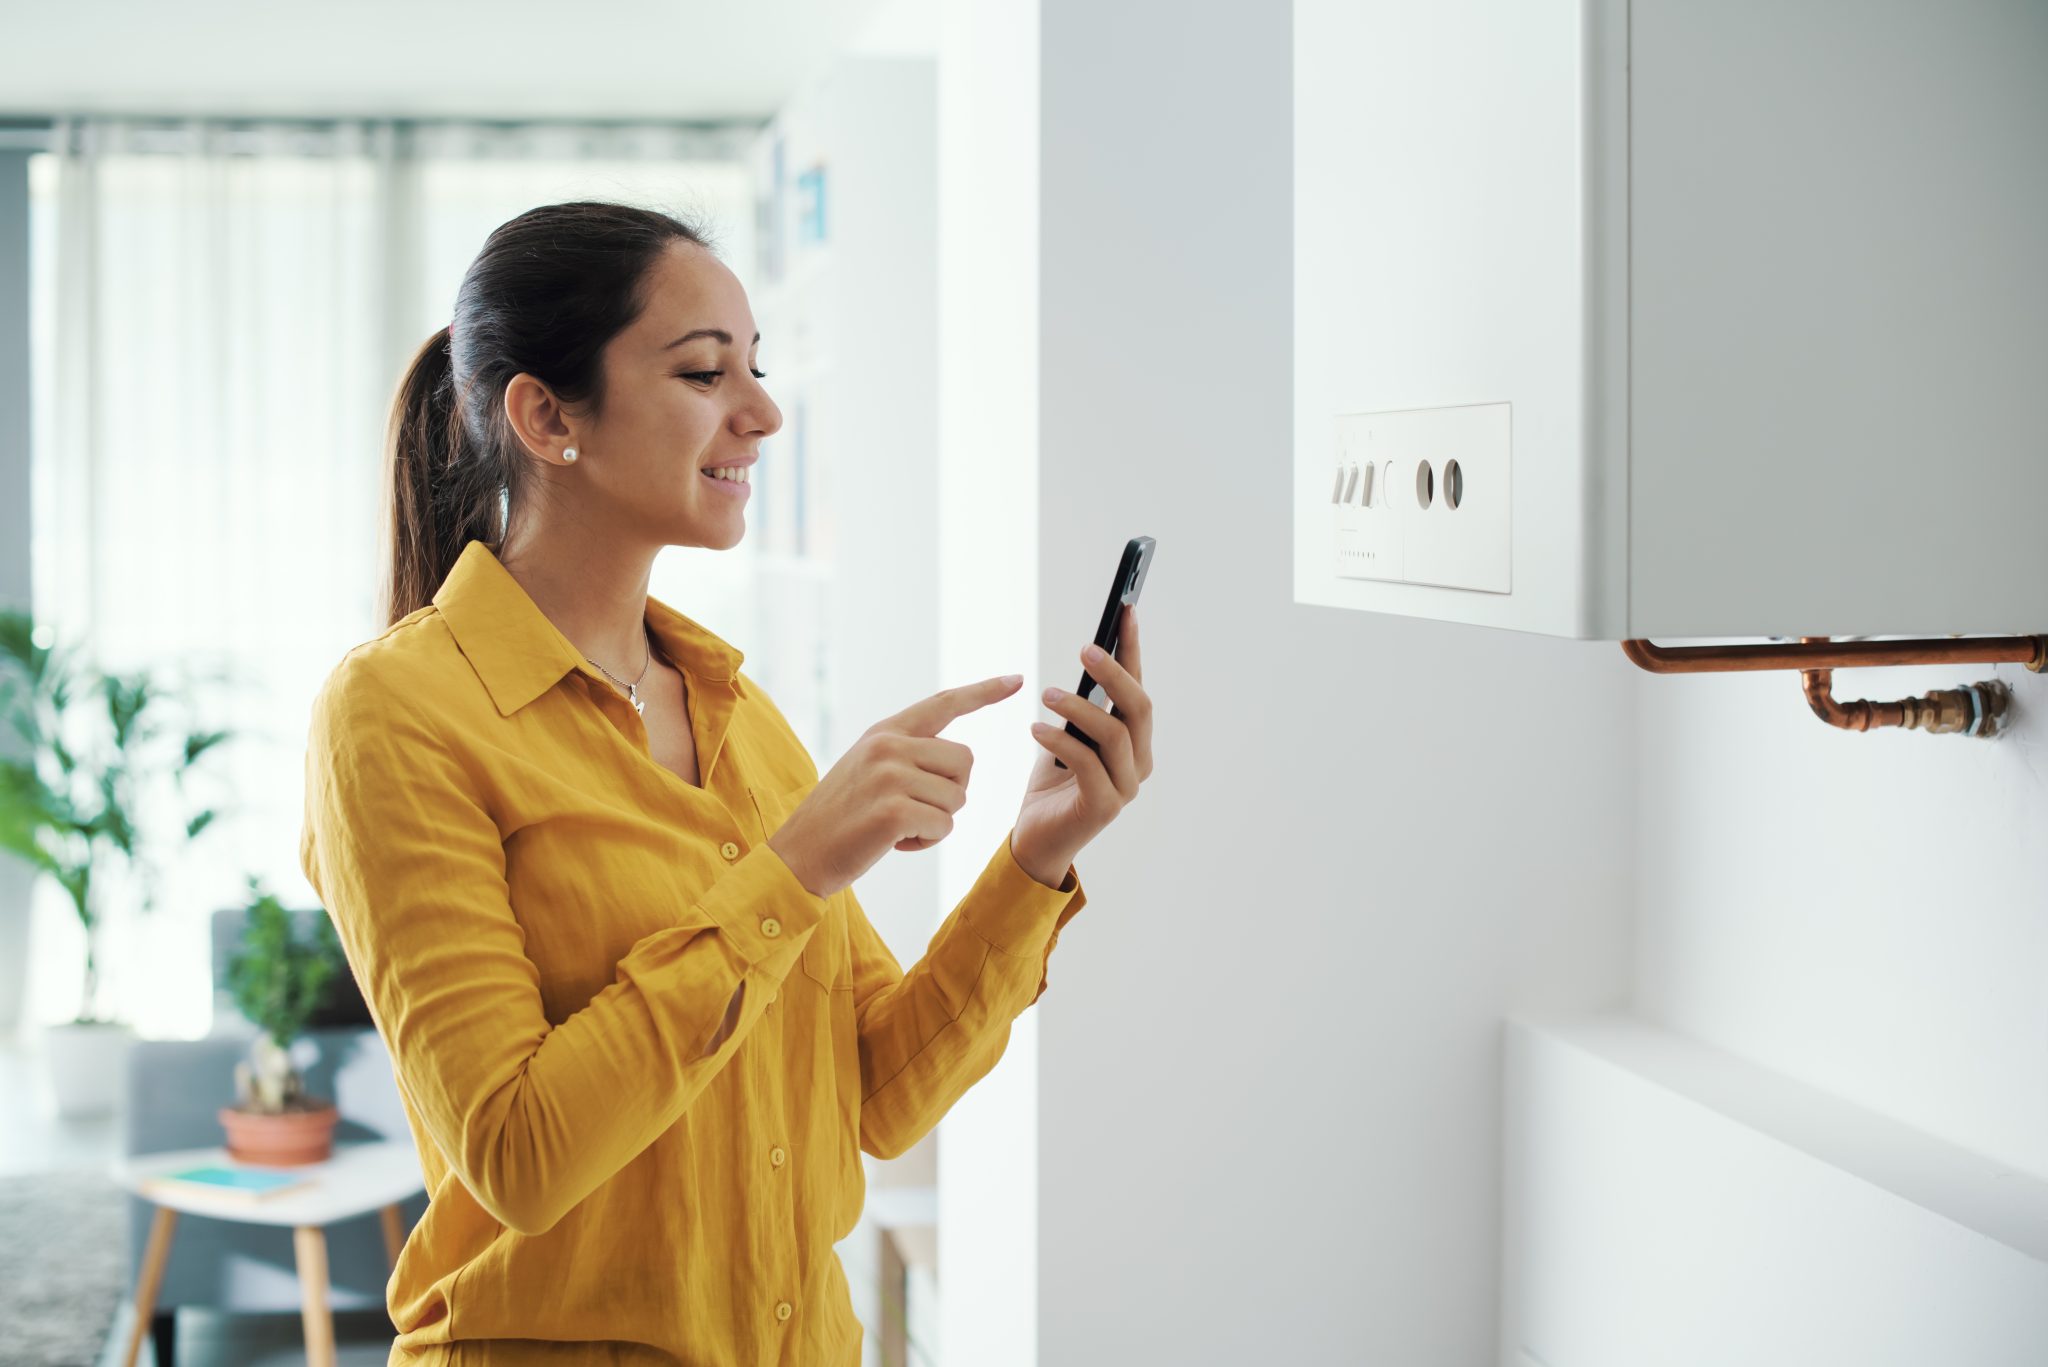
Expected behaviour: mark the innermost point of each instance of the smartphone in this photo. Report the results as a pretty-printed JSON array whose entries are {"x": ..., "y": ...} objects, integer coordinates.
[{"x": 1130, "y": 578}]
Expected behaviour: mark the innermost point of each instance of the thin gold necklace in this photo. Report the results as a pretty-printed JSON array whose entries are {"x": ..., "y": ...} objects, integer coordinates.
[{"x": 633, "y": 688}]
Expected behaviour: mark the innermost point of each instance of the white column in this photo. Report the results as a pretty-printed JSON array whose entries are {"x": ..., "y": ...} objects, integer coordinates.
[{"x": 988, "y": 613}]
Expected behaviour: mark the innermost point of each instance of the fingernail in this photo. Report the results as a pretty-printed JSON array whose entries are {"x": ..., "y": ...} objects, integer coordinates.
[
  {"x": 1093, "y": 654},
  {"x": 1012, "y": 680},
  {"x": 1055, "y": 694}
]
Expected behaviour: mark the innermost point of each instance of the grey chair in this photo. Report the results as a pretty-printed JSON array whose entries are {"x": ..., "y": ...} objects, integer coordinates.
[{"x": 175, "y": 1087}]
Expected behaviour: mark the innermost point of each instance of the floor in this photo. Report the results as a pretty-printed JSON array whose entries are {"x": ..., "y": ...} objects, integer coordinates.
[{"x": 33, "y": 1139}]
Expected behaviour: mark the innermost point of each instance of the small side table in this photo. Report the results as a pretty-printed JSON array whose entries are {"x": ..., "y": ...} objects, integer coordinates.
[{"x": 359, "y": 1178}]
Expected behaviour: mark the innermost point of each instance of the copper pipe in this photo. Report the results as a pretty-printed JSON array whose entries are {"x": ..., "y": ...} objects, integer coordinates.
[
  {"x": 2031, "y": 651},
  {"x": 1974, "y": 709}
]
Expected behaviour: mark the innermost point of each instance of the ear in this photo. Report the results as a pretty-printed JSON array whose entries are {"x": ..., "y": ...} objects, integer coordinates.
[{"x": 536, "y": 417}]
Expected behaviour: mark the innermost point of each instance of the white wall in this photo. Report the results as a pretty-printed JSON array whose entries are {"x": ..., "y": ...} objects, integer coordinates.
[
  {"x": 1859, "y": 919},
  {"x": 1670, "y": 1203},
  {"x": 1270, "y": 1116},
  {"x": 1270, "y": 1054},
  {"x": 1865, "y": 913}
]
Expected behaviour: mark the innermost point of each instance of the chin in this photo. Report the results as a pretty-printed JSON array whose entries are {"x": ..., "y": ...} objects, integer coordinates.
[
  {"x": 692, "y": 528},
  {"x": 719, "y": 540}
]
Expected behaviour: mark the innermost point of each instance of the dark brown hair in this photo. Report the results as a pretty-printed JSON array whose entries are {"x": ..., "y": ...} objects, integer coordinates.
[{"x": 547, "y": 293}]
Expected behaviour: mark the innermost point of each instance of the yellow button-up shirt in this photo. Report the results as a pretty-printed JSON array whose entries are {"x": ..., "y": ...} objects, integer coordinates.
[{"x": 548, "y": 926}]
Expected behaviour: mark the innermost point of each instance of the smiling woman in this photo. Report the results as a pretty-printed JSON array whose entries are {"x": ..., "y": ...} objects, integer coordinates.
[
  {"x": 595, "y": 891},
  {"x": 563, "y": 350}
]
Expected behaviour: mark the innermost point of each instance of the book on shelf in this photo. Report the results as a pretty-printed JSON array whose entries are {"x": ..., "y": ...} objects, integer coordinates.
[{"x": 248, "y": 1185}]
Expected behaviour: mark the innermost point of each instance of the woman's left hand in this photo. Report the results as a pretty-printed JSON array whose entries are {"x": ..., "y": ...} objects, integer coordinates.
[{"x": 1066, "y": 808}]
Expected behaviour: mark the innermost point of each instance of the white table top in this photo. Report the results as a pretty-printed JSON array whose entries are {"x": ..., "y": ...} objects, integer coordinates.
[{"x": 360, "y": 1177}]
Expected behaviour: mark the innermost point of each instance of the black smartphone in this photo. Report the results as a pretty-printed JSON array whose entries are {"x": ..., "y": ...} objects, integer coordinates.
[{"x": 1130, "y": 578}]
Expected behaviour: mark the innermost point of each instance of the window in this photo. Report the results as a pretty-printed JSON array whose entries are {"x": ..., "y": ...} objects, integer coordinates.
[{"x": 220, "y": 314}]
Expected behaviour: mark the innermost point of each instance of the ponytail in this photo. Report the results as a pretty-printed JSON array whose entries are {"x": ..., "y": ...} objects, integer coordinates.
[
  {"x": 429, "y": 523},
  {"x": 435, "y": 508},
  {"x": 544, "y": 297}
]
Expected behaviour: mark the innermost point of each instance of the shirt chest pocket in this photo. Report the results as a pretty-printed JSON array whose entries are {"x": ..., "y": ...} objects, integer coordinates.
[{"x": 826, "y": 959}]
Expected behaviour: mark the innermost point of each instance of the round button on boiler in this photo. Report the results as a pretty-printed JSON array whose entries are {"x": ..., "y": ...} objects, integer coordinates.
[
  {"x": 729, "y": 850},
  {"x": 771, "y": 927},
  {"x": 776, "y": 1155},
  {"x": 783, "y": 1310}
]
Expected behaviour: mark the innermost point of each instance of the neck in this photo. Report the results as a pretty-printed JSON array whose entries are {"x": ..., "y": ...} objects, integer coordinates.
[{"x": 595, "y": 592}]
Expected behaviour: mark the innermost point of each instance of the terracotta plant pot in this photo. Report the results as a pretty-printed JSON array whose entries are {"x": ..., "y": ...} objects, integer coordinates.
[{"x": 300, "y": 1135}]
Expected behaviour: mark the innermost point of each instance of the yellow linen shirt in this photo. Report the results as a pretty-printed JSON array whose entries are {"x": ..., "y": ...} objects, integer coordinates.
[{"x": 548, "y": 926}]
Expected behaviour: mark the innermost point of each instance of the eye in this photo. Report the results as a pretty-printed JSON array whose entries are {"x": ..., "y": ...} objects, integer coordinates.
[{"x": 708, "y": 375}]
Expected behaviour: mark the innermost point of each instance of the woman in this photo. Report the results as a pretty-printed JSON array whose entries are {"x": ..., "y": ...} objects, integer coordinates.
[{"x": 594, "y": 889}]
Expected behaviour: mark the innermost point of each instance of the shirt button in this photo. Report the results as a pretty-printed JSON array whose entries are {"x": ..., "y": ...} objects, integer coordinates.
[
  {"x": 776, "y": 1155},
  {"x": 729, "y": 850},
  {"x": 783, "y": 1310},
  {"x": 771, "y": 927}
]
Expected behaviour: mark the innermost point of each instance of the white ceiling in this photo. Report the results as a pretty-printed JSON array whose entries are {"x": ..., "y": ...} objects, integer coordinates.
[{"x": 657, "y": 59}]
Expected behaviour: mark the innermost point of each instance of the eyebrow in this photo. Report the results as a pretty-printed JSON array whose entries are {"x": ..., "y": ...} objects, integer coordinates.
[{"x": 720, "y": 333}]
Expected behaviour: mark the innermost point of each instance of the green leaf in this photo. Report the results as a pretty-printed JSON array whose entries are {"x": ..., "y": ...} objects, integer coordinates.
[
  {"x": 198, "y": 744},
  {"x": 76, "y": 800},
  {"x": 18, "y": 641},
  {"x": 127, "y": 696},
  {"x": 28, "y": 808},
  {"x": 112, "y": 823},
  {"x": 278, "y": 979}
]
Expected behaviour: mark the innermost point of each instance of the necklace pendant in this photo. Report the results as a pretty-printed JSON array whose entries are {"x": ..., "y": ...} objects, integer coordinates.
[{"x": 633, "y": 697}]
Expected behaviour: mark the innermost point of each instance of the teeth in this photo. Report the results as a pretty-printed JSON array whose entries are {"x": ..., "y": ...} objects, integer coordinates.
[{"x": 737, "y": 473}]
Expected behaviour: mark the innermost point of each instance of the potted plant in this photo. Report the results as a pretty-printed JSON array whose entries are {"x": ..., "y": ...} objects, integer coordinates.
[
  {"x": 70, "y": 807},
  {"x": 278, "y": 981}
]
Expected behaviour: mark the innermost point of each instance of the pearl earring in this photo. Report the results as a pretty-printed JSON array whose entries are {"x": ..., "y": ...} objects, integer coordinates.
[{"x": 569, "y": 454}]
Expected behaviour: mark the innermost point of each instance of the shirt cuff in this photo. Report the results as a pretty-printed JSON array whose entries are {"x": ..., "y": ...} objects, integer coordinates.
[
  {"x": 1014, "y": 911},
  {"x": 765, "y": 911}
]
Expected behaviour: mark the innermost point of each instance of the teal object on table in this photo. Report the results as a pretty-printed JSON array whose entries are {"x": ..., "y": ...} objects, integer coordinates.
[{"x": 242, "y": 1179}]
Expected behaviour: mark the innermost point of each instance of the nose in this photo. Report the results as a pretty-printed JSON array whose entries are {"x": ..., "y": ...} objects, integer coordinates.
[{"x": 759, "y": 416}]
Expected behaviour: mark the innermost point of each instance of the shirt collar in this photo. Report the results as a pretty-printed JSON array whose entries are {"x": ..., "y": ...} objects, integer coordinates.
[{"x": 520, "y": 654}]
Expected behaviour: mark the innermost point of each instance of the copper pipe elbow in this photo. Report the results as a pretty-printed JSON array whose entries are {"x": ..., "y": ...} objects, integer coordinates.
[
  {"x": 1974, "y": 709},
  {"x": 1977, "y": 709}
]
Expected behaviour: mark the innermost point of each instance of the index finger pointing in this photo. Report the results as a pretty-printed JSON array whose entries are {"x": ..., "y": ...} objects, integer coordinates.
[{"x": 931, "y": 715}]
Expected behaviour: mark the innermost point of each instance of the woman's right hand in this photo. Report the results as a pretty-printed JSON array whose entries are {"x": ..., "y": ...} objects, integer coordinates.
[{"x": 897, "y": 787}]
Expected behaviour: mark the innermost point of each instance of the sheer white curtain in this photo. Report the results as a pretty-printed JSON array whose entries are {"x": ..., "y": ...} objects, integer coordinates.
[{"x": 222, "y": 311}]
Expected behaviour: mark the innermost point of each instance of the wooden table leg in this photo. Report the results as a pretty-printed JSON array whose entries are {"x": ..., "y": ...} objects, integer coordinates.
[
  {"x": 149, "y": 1279},
  {"x": 895, "y": 1279},
  {"x": 310, "y": 1242},
  {"x": 394, "y": 1235}
]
